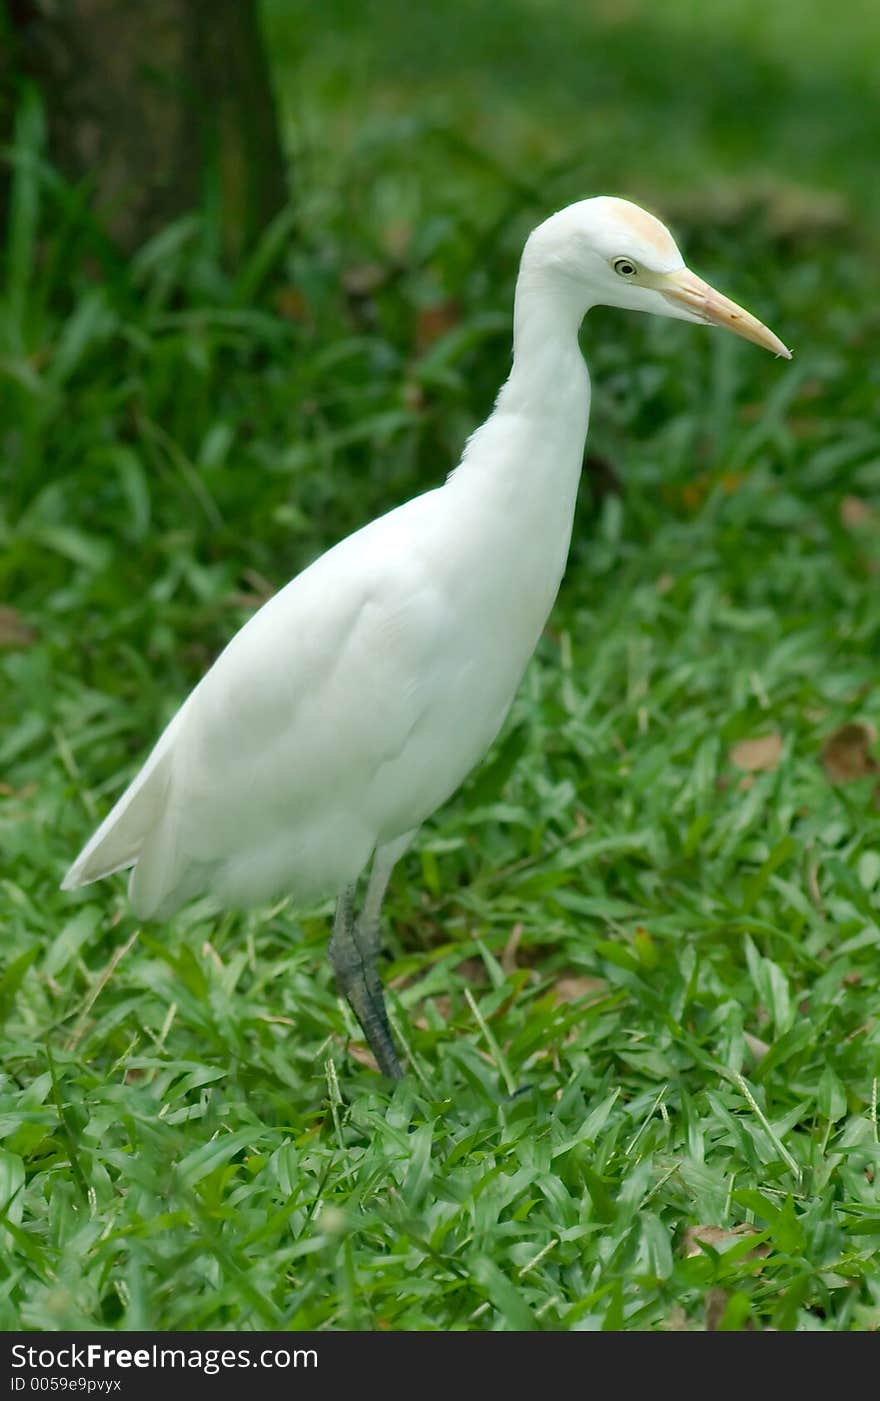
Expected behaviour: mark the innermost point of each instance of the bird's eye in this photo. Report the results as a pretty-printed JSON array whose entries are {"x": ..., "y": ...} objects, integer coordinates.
[{"x": 624, "y": 267}]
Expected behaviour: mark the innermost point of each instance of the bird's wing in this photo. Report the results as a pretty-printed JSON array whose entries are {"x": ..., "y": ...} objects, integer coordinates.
[{"x": 319, "y": 689}]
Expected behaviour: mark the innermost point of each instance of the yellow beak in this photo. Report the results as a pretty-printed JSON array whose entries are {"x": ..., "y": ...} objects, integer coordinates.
[{"x": 685, "y": 289}]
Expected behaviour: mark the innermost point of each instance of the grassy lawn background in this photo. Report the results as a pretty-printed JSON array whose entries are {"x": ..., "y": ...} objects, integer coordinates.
[{"x": 638, "y": 981}]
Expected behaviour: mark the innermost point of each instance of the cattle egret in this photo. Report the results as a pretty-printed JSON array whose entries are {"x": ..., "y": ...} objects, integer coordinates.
[{"x": 355, "y": 702}]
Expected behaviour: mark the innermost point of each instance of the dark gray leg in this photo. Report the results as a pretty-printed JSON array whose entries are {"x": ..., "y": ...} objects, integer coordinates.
[{"x": 354, "y": 950}]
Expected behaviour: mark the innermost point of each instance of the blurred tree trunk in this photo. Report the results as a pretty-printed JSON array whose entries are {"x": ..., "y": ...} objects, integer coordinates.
[{"x": 162, "y": 105}]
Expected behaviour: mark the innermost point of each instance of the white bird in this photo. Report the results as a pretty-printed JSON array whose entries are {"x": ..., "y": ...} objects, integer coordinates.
[{"x": 354, "y": 703}]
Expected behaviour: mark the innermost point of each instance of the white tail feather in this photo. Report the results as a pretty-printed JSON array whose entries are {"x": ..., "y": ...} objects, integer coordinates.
[{"x": 120, "y": 837}]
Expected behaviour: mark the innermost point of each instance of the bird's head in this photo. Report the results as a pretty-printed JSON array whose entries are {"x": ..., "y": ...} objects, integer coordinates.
[{"x": 615, "y": 254}]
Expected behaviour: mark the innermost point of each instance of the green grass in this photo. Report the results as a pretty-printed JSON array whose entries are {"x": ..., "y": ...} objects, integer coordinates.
[{"x": 639, "y": 988}]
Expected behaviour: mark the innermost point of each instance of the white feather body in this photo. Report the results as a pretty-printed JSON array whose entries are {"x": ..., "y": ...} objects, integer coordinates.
[{"x": 356, "y": 700}]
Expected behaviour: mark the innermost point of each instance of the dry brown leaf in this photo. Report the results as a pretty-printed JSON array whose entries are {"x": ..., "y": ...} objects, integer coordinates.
[
  {"x": 856, "y": 514},
  {"x": 846, "y": 753},
  {"x": 714, "y": 1304},
  {"x": 694, "y": 492},
  {"x": 718, "y": 1237},
  {"x": 359, "y": 1052},
  {"x": 14, "y": 631},
  {"x": 760, "y": 755},
  {"x": 788, "y": 209},
  {"x": 361, "y": 279},
  {"x": 731, "y": 482},
  {"x": 432, "y": 322},
  {"x": 796, "y": 210},
  {"x": 7, "y": 791},
  {"x": 677, "y": 1320},
  {"x": 293, "y": 306},
  {"x": 573, "y": 988}
]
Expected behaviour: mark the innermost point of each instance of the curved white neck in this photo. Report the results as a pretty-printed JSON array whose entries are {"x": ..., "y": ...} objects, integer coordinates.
[
  {"x": 531, "y": 446},
  {"x": 547, "y": 314},
  {"x": 513, "y": 494}
]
